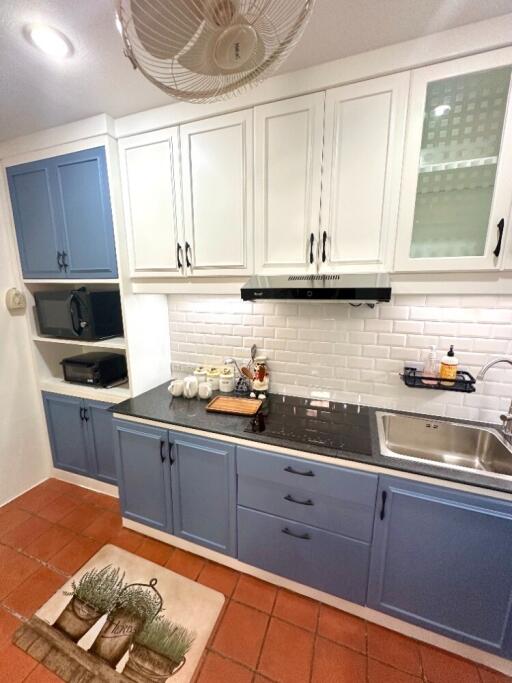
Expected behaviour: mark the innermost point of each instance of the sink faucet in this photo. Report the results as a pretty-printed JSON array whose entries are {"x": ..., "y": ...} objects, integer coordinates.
[{"x": 506, "y": 419}]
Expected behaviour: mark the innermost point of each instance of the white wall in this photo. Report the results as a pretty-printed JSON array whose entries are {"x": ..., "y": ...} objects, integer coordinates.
[
  {"x": 354, "y": 352},
  {"x": 24, "y": 457}
]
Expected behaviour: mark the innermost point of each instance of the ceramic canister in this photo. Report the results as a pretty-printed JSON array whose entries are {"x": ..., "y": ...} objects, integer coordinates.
[
  {"x": 212, "y": 377},
  {"x": 200, "y": 374}
]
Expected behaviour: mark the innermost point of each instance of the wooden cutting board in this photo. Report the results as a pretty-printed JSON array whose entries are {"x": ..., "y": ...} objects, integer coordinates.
[{"x": 234, "y": 406}]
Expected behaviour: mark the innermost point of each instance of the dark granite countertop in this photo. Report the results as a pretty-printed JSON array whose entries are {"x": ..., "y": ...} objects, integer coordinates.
[{"x": 353, "y": 438}]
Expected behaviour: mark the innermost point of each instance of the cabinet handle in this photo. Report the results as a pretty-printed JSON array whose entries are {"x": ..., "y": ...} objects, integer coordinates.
[
  {"x": 86, "y": 416},
  {"x": 383, "y": 505},
  {"x": 59, "y": 261},
  {"x": 307, "y": 473},
  {"x": 179, "y": 255},
  {"x": 501, "y": 227},
  {"x": 162, "y": 452},
  {"x": 188, "y": 251},
  {"x": 171, "y": 459},
  {"x": 303, "y": 537},
  {"x": 324, "y": 240},
  {"x": 311, "y": 243},
  {"x": 64, "y": 263},
  {"x": 82, "y": 414},
  {"x": 291, "y": 499}
]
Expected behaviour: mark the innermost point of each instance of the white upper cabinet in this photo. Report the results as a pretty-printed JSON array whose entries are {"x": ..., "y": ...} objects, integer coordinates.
[
  {"x": 288, "y": 139},
  {"x": 456, "y": 189},
  {"x": 217, "y": 167},
  {"x": 363, "y": 150},
  {"x": 150, "y": 173}
]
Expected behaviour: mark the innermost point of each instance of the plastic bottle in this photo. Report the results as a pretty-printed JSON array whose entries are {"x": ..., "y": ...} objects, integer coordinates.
[
  {"x": 448, "y": 369},
  {"x": 430, "y": 370}
]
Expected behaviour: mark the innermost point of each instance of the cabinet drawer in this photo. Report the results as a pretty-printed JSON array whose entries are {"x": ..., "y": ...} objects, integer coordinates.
[
  {"x": 331, "y": 563},
  {"x": 343, "y": 500}
]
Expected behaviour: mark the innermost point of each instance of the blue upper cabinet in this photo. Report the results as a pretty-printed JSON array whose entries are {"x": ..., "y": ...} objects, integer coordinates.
[
  {"x": 203, "y": 479},
  {"x": 39, "y": 238},
  {"x": 442, "y": 559},
  {"x": 63, "y": 216}
]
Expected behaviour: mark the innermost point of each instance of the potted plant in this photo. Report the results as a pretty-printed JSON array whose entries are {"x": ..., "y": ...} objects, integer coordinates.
[
  {"x": 136, "y": 605},
  {"x": 158, "y": 651},
  {"x": 96, "y": 592}
]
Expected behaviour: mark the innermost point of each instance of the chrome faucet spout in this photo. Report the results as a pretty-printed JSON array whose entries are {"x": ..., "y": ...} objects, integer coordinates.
[{"x": 486, "y": 367}]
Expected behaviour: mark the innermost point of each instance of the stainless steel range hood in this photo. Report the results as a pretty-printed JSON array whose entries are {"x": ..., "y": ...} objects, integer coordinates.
[{"x": 364, "y": 288}]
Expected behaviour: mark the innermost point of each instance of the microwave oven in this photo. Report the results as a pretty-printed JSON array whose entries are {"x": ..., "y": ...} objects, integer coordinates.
[{"x": 79, "y": 314}]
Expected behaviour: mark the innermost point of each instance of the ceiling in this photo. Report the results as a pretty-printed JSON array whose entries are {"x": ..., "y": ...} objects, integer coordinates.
[{"x": 37, "y": 92}]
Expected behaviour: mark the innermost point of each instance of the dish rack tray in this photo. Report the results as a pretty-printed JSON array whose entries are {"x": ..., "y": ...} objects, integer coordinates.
[{"x": 465, "y": 382}]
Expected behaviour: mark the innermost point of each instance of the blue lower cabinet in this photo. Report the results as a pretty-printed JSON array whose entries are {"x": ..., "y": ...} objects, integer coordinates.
[
  {"x": 143, "y": 470},
  {"x": 101, "y": 441},
  {"x": 442, "y": 559},
  {"x": 311, "y": 556},
  {"x": 203, "y": 477},
  {"x": 67, "y": 432}
]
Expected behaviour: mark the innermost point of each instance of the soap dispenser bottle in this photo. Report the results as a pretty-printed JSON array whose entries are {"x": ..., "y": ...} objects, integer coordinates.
[
  {"x": 448, "y": 369},
  {"x": 429, "y": 375}
]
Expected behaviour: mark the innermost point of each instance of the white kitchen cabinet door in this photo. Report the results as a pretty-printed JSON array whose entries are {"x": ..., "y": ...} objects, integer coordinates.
[
  {"x": 217, "y": 167},
  {"x": 150, "y": 176},
  {"x": 456, "y": 191},
  {"x": 288, "y": 138},
  {"x": 363, "y": 150}
]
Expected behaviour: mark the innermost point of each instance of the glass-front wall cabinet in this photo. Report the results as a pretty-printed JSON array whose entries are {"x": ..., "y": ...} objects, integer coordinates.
[{"x": 456, "y": 196}]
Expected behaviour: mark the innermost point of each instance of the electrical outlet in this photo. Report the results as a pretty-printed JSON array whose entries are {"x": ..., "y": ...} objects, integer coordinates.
[{"x": 15, "y": 300}]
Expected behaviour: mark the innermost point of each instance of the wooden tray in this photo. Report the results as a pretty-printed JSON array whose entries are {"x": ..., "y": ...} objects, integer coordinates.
[{"x": 234, "y": 406}]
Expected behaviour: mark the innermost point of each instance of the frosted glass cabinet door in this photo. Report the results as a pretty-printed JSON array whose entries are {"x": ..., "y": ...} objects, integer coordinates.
[
  {"x": 456, "y": 190},
  {"x": 217, "y": 194}
]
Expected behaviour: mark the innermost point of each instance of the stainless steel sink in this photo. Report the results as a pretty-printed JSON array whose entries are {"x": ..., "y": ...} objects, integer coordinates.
[{"x": 443, "y": 443}]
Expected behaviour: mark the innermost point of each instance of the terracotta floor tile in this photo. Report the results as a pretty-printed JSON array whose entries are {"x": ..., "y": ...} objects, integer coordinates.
[
  {"x": 217, "y": 669},
  {"x": 103, "y": 501},
  {"x": 259, "y": 678},
  {"x": 42, "y": 675},
  {"x": 56, "y": 509},
  {"x": 442, "y": 667},
  {"x": 382, "y": 673},
  {"x": 219, "y": 578},
  {"x": 70, "y": 558},
  {"x": 106, "y": 525},
  {"x": 26, "y": 532},
  {"x": 155, "y": 551},
  {"x": 256, "y": 593},
  {"x": 297, "y": 609},
  {"x": 30, "y": 595},
  {"x": 185, "y": 563},
  {"x": 334, "y": 663},
  {"x": 80, "y": 518},
  {"x": 343, "y": 628},
  {"x": 241, "y": 633},
  {"x": 15, "y": 665},
  {"x": 15, "y": 568},
  {"x": 49, "y": 543},
  {"x": 128, "y": 540},
  {"x": 11, "y": 517},
  {"x": 392, "y": 648},
  {"x": 489, "y": 676},
  {"x": 287, "y": 653},
  {"x": 8, "y": 624},
  {"x": 36, "y": 499}
]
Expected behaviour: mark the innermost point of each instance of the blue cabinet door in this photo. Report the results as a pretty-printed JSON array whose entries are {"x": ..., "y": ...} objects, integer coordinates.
[
  {"x": 40, "y": 240},
  {"x": 67, "y": 432},
  {"x": 142, "y": 460},
  {"x": 442, "y": 559},
  {"x": 82, "y": 199},
  {"x": 203, "y": 479},
  {"x": 100, "y": 433}
]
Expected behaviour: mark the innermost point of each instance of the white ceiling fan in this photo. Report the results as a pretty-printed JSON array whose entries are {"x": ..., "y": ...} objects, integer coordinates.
[{"x": 206, "y": 50}]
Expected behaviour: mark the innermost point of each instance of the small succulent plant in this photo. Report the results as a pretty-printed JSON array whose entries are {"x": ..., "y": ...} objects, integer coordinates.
[
  {"x": 167, "y": 638},
  {"x": 99, "y": 588}
]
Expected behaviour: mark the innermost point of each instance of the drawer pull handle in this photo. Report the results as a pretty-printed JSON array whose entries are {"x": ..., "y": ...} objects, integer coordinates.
[
  {"x": 307, "y": 473},
  {"x": 303, "y": 537},
  {"x": 383, "y": 506},
  {"x": 291, "y": 499}
]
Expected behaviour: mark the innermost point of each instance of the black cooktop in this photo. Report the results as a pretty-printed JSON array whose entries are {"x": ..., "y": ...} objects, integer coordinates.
[{"x": 341, "y": 427}]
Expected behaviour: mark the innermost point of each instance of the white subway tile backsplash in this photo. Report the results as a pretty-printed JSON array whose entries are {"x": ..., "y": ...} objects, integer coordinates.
[{"x": 354, "y": 353}]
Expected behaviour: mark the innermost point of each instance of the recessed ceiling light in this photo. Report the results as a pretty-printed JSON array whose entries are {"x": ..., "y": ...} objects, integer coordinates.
[
  {"x": 441, "y": 109},
  {"x": 49, "y": 40}
]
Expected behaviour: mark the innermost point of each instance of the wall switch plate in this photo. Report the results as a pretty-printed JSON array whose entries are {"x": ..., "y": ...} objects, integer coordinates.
[{"x": 15, "y": 300}]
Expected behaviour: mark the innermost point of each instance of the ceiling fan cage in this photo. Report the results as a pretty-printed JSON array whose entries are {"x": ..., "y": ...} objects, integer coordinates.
[{"x": 208, "y": 50}]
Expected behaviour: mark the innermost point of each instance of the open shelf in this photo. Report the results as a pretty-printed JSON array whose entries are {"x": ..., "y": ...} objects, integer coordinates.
[
  {"x": 66, "y": 281},
  {"x": 114, "y": 343},
  {"x": 59, "y": 386}
]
